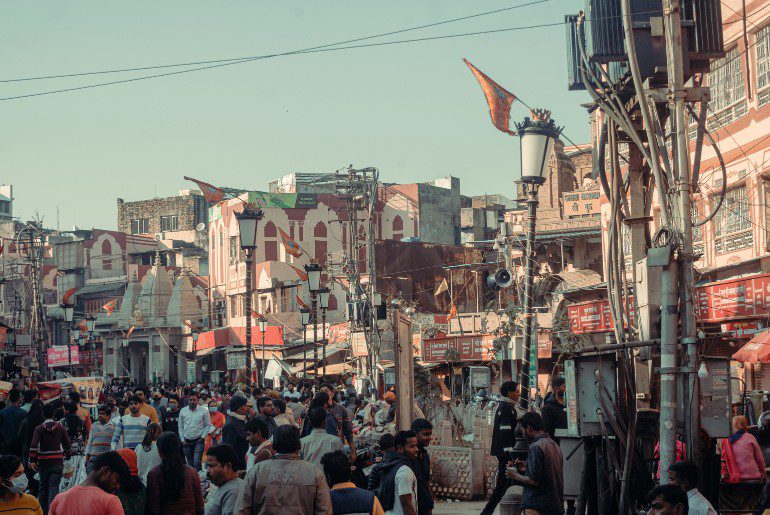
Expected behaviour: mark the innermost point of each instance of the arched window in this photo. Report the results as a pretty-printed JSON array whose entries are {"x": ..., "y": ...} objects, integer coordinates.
[
  {"x": 271, "y": 242},
  {"x": 398, "y": 228},
  {"x": 319, "y": 235},
  {"x": 332, "y": 302},
  {"x": 106, "y": 255}
]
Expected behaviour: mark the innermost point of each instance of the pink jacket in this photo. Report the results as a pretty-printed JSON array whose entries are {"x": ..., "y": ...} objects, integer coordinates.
[{"x": 742, "y": 460}]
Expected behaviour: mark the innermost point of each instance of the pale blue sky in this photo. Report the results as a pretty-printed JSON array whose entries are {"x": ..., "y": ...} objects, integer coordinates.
[{"x": 414, "y": 110}]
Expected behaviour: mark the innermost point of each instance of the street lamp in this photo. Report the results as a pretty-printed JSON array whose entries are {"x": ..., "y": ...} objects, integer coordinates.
[
  {"x": 90, "y": 327},
  {"x": 313, "y": 271},
  {"x": 304, "y": 317},
  {"x": 538, "y": 136},
  {"x": 69, "y": 314},
  {"x": 248, "y": 220},
  {"x": 323, "y": 302},
  {"x": 262, "y": 329}
]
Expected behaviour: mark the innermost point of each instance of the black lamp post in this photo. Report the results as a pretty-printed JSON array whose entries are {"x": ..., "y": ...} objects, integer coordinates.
[
  {"x": 262, "y": 328},
  {"x": 248, "y": 220},
  {"x": 91, "y": 327},
  {"x": 304, "y": 317},
  {"x": 537, "y": 137},
  {"x": 323, "y": 302},
  {"x": 313, "y": 271},
  {"x": 69, "y": 314}
]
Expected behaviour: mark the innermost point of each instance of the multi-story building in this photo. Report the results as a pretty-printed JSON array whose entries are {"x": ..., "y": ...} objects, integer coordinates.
[{"x": 6, "y": 202}]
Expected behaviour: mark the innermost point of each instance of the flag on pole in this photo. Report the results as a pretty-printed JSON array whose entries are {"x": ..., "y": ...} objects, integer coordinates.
[
  {"x": 83, "y": 326},
  {"x": 498, "y": 98},
  {"x": 211, "y": 193},
  {"x": 68, "y": 294},
  {"x": 255, "y": 315},
  {"x": 110, "y": 306},
  {"x": 3, "y": 330},
  {"x": 301, "y": 303},
  {"x": 452, "y": 312},
  {"x": 442, "y": 287},
  {"x": 130, "y": 330},
  {"x": 301, "y": 273},
  {"x": 290, "y": 245}
]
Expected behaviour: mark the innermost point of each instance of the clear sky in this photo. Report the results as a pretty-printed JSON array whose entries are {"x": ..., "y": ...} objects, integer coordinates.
[{"x": 413, "y": 110}]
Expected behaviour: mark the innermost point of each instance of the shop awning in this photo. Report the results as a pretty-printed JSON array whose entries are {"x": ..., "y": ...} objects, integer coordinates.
[
  {"x": 236, "y": 336},
  {"x": 756, "y": 351}
]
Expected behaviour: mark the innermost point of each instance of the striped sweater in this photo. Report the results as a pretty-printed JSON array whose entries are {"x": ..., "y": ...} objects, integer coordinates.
[
  {"x": 131, "y": 430},
  {"x": 100, "y": 438},
  {"x": 50, "y": 443}
]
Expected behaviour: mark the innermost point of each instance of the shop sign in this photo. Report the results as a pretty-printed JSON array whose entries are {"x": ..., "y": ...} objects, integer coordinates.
[
  {"x": 389, "y": 377},
  {"x": 358, "y": 344},
  {"x": 544, "y": 345},
  {"x": 191, "y": 372},
  {"x": 89, "y": 389},
  {"x": 743, "y": 329},
  {"x": 236, "y": 360},
  {"x": 734, "y": 299},
  {"x": 581, "y": 203},
  {"x": 477, "y": 347},
  {"x": 59, "y": 356},
  {"x": 593, "y": 317}
]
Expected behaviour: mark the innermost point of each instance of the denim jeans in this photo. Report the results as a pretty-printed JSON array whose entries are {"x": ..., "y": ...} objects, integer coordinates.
[
  {"x": 193, "y": 452},
  {"x": 50, "y": 480}
]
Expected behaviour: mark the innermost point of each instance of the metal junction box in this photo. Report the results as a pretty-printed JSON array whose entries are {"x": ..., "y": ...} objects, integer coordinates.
[{"x": 591, "y": 383}]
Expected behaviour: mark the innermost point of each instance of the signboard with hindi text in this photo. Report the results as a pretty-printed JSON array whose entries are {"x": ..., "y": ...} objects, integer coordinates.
[
  {"x": 733, "y": 299},
  {"x": 593, "y": 317},
  {"x": 478, "y": 347},
  {"x": 59, "y": 356},
  {"x": 582, "y": 203}
]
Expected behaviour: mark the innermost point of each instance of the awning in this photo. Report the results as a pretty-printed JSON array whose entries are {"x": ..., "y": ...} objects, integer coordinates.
[
  {"x": 336, "y": 369},
  {"x": 756, "y": 351},
  {"x": 97, "y": 288},
  {"x": 236, "y": 336},
  {"x": 205, "y": 352}
]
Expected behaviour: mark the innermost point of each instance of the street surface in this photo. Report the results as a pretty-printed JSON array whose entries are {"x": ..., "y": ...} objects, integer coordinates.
[{"x": 459, "y": 508}]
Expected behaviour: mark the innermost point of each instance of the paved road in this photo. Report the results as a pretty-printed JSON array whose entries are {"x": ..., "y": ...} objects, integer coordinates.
[{"x": 459, "y": 508}]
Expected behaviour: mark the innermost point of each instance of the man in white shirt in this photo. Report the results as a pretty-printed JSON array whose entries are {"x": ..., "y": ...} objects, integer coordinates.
[
  {"x": 194, "y": 425},
  {"x": 685, "y": 475},
  {"x": 398, "y": 487}
]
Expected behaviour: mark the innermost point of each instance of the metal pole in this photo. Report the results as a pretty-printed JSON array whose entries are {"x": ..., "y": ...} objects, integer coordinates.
[
  {"x": 263, "y": 368},
  {"x": 323, "y": 338},
  {"x": 314, "y": 312},
  {"x": 249, "y": 357},
  {"x": 668, "y": 339},
  {"x": 673, "y": 30},
  {"x": 304, "y": 352},
  {"x": 528, "y": 291}
]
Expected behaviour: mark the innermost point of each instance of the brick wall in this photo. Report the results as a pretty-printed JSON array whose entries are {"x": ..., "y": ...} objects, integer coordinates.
[{"x": 189, "y": 209}]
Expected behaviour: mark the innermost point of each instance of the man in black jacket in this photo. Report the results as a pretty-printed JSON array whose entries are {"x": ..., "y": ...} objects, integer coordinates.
[
  {"x": 503, "y": 440},
  {"x": 421, "y": 465},
  {"x": 554, "y": 412},
  {"x": 234, "y": 430}
]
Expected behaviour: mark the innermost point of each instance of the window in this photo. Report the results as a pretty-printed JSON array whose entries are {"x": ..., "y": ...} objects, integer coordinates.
[
  {"x": 106, "y": 255},
  {"x": 140, "y": 226},
  {"x": 398, "y": 228},
  {"x": 5, "y": 207},
  {"x": 233, "y": 250},
  {"x": 236, "y": 306},
  {"x": 726, "y": 80},
  {"x": 732, "y": 224},
  {"x": 271, "y": 242},
  {"x": 319, "y": 234},
  {"x": 169, "y": 223},
  {"x": 762, "y": 45}
]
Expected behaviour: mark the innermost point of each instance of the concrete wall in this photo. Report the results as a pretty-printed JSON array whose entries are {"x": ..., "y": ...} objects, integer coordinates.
[
  {"x": 190, "y": 210},
  {"x": 440, "y": 211}
]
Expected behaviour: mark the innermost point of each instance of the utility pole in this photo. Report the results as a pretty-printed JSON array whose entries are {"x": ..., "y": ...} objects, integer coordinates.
[{"x": 683, "y": 222}]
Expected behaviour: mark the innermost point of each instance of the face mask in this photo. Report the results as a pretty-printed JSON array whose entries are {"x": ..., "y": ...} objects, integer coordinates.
[
  {"x": 213, "y": 409},
  {"x": 20, "y": 484},
  {"x": 173, "y": 405}
]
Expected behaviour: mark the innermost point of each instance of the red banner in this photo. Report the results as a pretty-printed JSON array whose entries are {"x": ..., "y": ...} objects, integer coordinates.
[
  {"x": 470, "y": 348},
  {"x": 593, "y": 317},
  {"x": 743, "y": 329},
  {"x": 59, "y": 356},
  {"x": 734, "y": 299}
]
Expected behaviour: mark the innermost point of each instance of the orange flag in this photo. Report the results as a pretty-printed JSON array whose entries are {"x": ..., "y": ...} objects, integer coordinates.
[
  {"x": 498, "y": 98},
  {"x": 290, "y": 245},
  {"x": 255, "y": 315},
  {"x": 130, "y": 330},
  {"x": 452, "y": 312},
  {"x": 301, "y": 273},
  {"x": 299, "y": 301},
  {"x": 110, "y": 306},
  {"x": 83, "y": 326},
  {"x": 211, "y": 193},
  {"x": 68, "y": 294}
]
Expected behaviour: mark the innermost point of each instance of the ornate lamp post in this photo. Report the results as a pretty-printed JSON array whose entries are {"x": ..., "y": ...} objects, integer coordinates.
[
  {"x": 323, "y": 302},
  {"x": 313, "y": 271},
  {"x": 90, "y": 327},
  {"x": 304, "y": 317},
  {"x": 537, "y": 137},
  {"x": 262, "y": 329},
  {"x": 248, "y": 220}
]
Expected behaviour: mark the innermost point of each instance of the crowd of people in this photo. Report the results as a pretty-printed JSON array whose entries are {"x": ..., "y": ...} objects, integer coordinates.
[{"x": 205, "y": 450}]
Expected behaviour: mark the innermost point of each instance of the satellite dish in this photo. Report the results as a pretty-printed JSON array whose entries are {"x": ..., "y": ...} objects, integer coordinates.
[{"x": 200, "y": 227}]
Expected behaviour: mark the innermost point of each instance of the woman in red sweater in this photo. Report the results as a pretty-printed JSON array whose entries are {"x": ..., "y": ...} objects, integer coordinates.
[{"x": 172, "y": 486}]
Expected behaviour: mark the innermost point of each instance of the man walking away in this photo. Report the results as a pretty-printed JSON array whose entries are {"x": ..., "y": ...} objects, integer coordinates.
[
  {"x": 685, "y": 474},
  {"x": 220, "y": 469},
  {"x": 554, "y": 412},
  {"x": 318, "y": 442},
  {"x": 542, "y": 475},
  {"x": 131, "y": 428},
  {"x": 342, "y": 416},
  {"x": 94, "y": 496},
  {"x": 50, "y": 445},
  {"x": 11, "y": 418},
  {"x": 421, "y": 466},
  {"x": 194, "y": 425},
  {"x": 387, "y": 449},
  {"x": 260, "y": 446},
  {"x": 346, "y": 498},
  {"x": 503, "y": 440},
  {"x": 285, "y": 485},
  {"x": 667, "y": 500},
  {"x": 398, "y": 488}
]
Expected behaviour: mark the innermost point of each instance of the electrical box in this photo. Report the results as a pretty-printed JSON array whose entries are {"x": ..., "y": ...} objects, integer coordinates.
[
  {"x": 716, "y": 398},
  {"x": 591, "y": 387},
  {"x": 647, "y": 291},
  {"x": 481, "y": 377}
]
